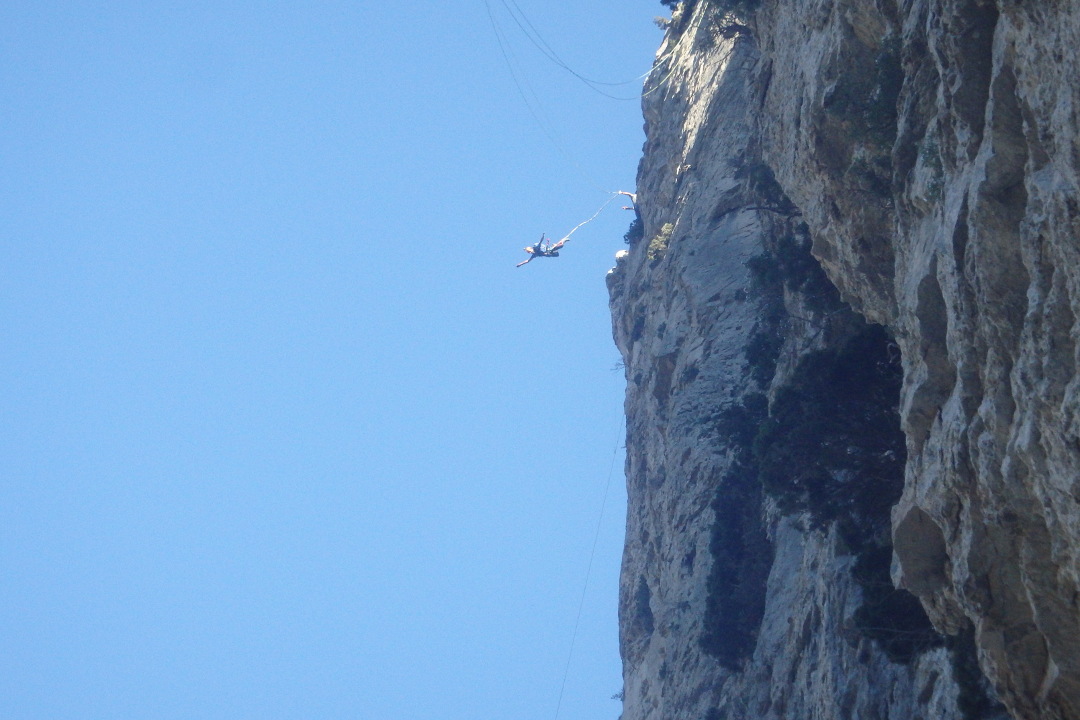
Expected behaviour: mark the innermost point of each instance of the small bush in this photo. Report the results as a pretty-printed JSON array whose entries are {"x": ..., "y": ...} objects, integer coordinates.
[
  {"x": 658, "y": 245},
  {"x": 635, "y": 232},
  {"x": 742, "y": 9}
]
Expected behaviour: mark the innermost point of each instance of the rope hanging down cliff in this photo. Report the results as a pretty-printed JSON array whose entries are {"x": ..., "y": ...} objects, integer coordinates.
[{"x": 588, "y": 570}]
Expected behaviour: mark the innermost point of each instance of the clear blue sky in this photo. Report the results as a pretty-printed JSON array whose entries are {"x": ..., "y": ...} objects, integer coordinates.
[{"x": 283, "y": 432}]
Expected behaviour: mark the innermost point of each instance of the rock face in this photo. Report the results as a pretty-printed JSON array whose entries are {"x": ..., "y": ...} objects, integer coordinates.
[{"x": 850, "y": 337}]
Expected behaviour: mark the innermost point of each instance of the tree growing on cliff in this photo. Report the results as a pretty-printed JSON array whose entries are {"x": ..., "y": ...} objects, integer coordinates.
[{"x": 832, "y": 447}]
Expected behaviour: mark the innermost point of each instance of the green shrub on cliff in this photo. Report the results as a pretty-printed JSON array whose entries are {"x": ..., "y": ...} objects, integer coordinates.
[
  {"x": 832, "y": 444},
  {"x": 635, "y": 232},
  {"x": 832, "y": 447},
  {"x": 738, "y": 8},
  {"x": 659, "y": 244}
]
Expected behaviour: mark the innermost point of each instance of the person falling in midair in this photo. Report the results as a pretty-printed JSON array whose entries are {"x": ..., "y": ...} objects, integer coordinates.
[{"x": 542, "y": 249}]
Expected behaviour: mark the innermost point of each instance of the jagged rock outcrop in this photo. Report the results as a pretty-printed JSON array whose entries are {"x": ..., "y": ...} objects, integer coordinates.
[{"x": 792, "y": 441}]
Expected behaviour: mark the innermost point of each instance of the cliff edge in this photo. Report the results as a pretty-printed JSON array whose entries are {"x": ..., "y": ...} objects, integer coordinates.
[{"x": 848, "y": 321}]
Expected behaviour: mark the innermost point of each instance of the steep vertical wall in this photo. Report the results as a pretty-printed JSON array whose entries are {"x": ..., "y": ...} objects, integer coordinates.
[{"x": 901, "y": 404}]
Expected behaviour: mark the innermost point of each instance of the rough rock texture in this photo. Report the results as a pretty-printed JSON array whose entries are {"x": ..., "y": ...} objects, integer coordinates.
[{"x": 929, "y": 150}]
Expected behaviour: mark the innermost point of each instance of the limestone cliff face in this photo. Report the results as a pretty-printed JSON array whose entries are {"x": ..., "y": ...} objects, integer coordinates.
[{"x": 850, "y": 337}]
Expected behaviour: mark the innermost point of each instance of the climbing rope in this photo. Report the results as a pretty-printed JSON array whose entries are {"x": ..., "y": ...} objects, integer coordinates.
[{"x": 588, "y": 573}]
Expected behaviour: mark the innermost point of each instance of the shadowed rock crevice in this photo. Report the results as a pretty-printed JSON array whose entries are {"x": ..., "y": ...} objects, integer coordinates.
[
  {"x": 963, "y": 49},
  {"x": 742, "y": 557},
  {"x": 920, "y": 548},
  {"x": 932, "y": 375}
]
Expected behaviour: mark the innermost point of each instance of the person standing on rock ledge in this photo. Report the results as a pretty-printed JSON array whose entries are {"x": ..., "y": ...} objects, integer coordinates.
[{"x": 542, "y": 250}]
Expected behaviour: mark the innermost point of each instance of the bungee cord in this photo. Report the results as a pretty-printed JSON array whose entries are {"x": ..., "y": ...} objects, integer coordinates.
[
  {"x": 540, "y": 249},
  {"x": 594, "y": 216},
  {"x": 534, "y": 106}
]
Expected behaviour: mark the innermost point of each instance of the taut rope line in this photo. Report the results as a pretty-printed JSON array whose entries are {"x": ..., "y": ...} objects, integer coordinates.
[{"x": 588, "y": 572}]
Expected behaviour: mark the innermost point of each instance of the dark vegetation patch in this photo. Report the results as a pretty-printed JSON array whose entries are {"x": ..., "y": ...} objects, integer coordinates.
[
  {"x": 767, "y": 336},
  {"x": 761, "y": 183},
  {"x": 832, "y": 447},
  {"x": 643, "y": 615},
  {"x": 867, "y": 100},
  {"x": 635, "y": 232},
  {"x": 638, "y": 328},
  {"x": 832, "y": 444},
  {"x": 789, "y": 268},
  {"x": 741, "y": 550},
  {"x": 792, "y": 268},
  {"x": 658, "y": 246},
  {"x": 829, "y": 445}
]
